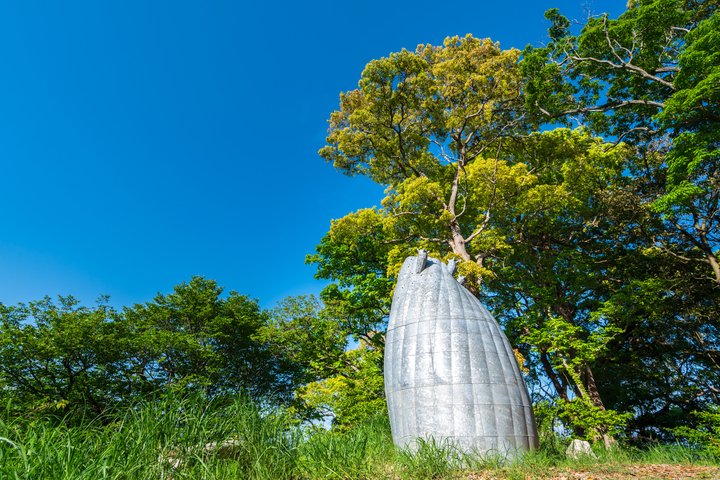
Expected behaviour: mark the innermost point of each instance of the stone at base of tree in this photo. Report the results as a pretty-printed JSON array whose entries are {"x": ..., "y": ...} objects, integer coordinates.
[{"x": 579, "y": 448}]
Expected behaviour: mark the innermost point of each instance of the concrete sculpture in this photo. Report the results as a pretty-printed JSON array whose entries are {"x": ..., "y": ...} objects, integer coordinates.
[{"x": 450, "y": 372}]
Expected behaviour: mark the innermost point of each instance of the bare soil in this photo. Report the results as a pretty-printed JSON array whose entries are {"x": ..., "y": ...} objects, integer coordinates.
[{"x": 615, "y": 472}]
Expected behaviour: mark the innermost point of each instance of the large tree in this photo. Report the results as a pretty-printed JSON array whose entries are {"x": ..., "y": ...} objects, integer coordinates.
[
  {"x": 650, "y": 78},
  {"x": 430, "y": 125},
  {"x": 587, "y": 250},
  {"x": 444, "y": 131}
]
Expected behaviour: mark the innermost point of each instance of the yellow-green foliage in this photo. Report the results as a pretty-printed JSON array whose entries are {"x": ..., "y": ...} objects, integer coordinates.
[{"x": 353, "y": 396}]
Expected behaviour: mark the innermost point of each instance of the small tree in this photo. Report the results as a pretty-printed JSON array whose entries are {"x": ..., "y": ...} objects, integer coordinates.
[
  {"x": 193, "y": 338},
  {"x": 64, "y": 357}
]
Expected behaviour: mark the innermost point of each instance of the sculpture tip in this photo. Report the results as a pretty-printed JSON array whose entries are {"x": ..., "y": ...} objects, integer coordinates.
[
  {"x": 451, "y": 265},
  {"x": 421, "y": 259}
]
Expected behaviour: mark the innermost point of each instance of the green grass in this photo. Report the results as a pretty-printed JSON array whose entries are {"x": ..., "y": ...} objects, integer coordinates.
[{"x": 146, "y": 441}]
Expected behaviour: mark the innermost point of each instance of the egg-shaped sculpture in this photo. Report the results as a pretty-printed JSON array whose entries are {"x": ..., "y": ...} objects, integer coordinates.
[{"x": 450, "y": 372}]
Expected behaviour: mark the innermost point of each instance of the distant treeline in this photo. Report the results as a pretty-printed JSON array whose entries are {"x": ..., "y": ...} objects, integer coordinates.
[{"x": 63, "y": 358}]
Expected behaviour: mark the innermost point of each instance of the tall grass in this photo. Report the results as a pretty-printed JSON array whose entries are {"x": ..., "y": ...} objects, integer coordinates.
[
  {"x": 366, "y": 451},
  {"x": 149, "y": 440},
  {"x": 166, "y": 439}
]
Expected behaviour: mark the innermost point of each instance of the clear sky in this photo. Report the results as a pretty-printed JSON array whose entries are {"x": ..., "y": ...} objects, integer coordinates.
[{"x": 144, "y": 142}]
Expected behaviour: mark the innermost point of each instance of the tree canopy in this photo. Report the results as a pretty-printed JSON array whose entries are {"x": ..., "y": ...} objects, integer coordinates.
[
  {"x": 650, "y": 78},
  {"x": 67, "y": 358}
]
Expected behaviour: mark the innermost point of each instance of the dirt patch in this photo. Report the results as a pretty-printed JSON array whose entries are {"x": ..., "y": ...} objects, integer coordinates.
[
  {"x": 624, "y": 472},
  {"x": 674, "y": 471}
]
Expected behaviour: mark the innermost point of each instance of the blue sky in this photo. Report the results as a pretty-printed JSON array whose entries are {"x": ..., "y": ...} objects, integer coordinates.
[{"x": 144, "y": 142}]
